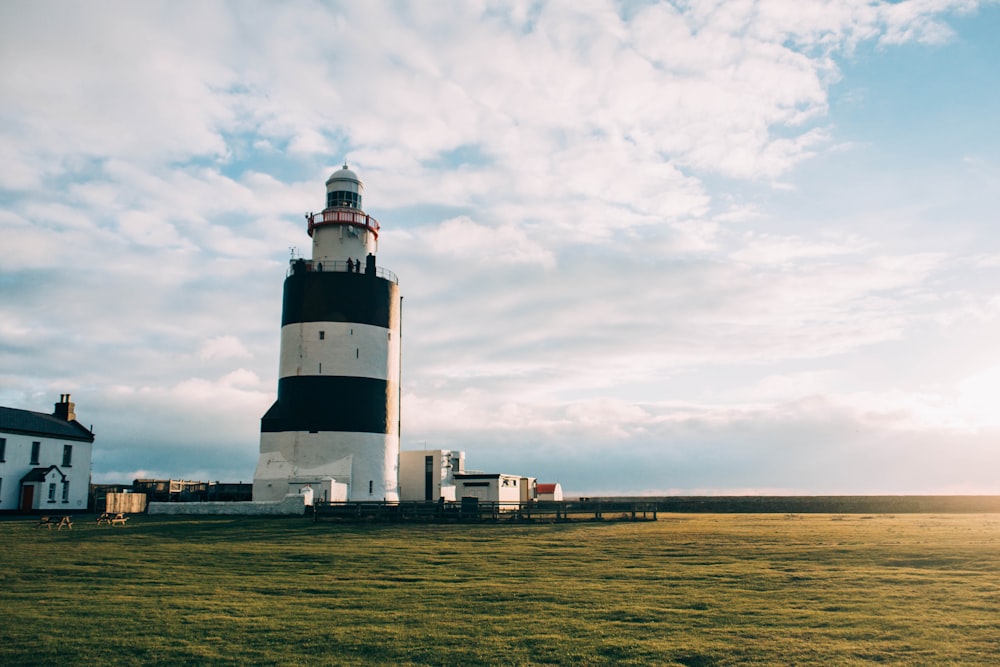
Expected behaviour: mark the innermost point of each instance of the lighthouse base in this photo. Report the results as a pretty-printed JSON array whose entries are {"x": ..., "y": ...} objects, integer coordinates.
[{"x": 337, "y": 466}]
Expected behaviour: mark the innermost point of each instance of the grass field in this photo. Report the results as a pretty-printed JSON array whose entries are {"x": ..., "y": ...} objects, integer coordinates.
[{"x": 692, "y": 590}]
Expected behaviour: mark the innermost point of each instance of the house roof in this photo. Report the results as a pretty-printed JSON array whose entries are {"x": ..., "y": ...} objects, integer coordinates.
[
  {"x": 547, "y": 488},
  {"x": 482, "y": 475},
  {"x": 13, "y": 420},
  {"x": 38, "y": 474}
]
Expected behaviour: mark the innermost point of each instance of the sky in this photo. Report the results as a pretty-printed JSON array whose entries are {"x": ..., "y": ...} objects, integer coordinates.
[{"x": 645, "y": 247}]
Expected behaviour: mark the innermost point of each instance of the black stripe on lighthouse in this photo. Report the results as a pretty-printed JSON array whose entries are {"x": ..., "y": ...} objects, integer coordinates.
[
  {"x": 332, "y": 403},
  {"x": 315, "y": 296}
]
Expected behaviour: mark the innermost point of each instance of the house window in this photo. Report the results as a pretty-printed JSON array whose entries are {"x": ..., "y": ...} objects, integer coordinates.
[
  {"x": 65, "y": 492},
  {"x": 371, "y": 485},
  {"x": 3, "y": 449},
  {"x": 322, "y": 335},
  {"x": 68, "y": 456},
  {"x": 35, "y": 450},
  {"x": 52, "y": 492},
  {"x": 1, "y": 489}
]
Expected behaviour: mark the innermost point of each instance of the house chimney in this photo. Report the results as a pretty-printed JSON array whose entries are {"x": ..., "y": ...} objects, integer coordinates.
[{"x": 65, "y": 409}]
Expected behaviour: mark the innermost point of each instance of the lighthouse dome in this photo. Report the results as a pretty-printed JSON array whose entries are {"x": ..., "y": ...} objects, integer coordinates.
[
  {"x": 343, "y": 174},
  {"x": 343, "y": 189}
]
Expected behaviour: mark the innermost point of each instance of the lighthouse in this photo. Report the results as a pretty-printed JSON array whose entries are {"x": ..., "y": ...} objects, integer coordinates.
[{"x": 333, "y": 431}]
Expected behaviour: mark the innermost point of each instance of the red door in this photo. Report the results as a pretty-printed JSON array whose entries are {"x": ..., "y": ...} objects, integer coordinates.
[{"x": 27, "y": 497}]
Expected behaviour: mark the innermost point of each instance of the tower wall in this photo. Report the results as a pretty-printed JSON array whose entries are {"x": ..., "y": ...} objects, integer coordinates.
[
  {"x": 344, "y": 242},
  {"x": 337, "y": 412}
]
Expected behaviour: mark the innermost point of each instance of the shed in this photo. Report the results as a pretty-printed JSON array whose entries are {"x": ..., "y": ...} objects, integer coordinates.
[{"x": 551, "y": 491}]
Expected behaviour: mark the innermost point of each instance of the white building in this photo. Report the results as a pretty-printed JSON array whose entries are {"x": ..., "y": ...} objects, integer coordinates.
[
  {"x": 494, "y": 487},
  {"x": 44, "y": 459},
  {"x": 429, "y": 475},
  {"x": 550, "y": 491}
]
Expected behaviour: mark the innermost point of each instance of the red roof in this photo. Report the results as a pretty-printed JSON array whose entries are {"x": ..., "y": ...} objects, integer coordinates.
[{"x": 547, "y": 488}]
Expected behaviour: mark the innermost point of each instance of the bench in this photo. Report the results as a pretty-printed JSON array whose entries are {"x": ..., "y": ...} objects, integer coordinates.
[
  {"x": 109, "y": 519},
  {"x": 47, "y": 521}
]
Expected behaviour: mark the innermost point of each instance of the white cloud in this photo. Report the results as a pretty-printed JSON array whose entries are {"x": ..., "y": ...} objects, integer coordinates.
[
  {"x": 224, "y": 347},
  {"x": 467, "y": 241},
  {"x": 580, "y": 201}
]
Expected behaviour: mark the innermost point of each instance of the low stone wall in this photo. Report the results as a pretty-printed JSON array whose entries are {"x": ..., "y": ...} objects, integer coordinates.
[{"x": 290, "y": 506}]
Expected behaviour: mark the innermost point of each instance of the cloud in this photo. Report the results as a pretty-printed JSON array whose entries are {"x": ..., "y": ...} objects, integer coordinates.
[
  {"x": 464, "y": 240},
  {"x": 591, "y": 207},
  {"x": 224, "y": 347}
]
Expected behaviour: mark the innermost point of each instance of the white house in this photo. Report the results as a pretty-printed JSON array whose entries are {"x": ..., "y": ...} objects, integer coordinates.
[
  {"x": 44, "y": 459},
  {"x": 491, "y": 487}
]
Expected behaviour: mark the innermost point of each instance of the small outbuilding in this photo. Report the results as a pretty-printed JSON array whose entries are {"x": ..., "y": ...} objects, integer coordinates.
[
  {"x": 551, "y": 491},
  {"x": 493, "y": 487}
]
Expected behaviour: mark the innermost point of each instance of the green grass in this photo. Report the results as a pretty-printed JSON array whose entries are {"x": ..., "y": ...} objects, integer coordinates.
[{"x": 692, "y": 590}]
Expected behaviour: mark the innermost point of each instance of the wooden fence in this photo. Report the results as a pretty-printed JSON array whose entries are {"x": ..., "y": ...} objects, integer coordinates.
[
  {"x": 474, "y": 510},
  {"x": 126, "y": 503}
]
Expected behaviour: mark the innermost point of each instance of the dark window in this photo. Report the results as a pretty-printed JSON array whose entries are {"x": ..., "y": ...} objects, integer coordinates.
[
  {"x": 340, "y": 198},
  {"x": 1, "y": 489},
  {"x": 371, "y": 486},
  {"x": 322, "y": 335},
  {"x": 428, "y": 478},
  {"x": 68, "y": 455},
  {"x": 36, "y": 448},
  {"x": 52, "y": 492},
  {"x": 65, "y": 492},
  {"x": 3, "y": 449}
]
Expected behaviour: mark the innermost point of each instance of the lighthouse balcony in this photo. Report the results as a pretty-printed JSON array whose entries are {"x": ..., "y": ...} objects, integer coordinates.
[
  {"x": 342, "y": 215},
  {"x": 338, "y": 266}
]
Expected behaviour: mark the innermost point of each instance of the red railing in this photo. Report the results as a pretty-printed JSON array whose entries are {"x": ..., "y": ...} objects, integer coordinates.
[{"x": 342, "y": 216}]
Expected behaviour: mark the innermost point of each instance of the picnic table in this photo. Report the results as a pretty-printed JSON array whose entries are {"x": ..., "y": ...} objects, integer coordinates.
[
  {"x": 47, "y": 521},
  {"x": 115, "y": 519}
]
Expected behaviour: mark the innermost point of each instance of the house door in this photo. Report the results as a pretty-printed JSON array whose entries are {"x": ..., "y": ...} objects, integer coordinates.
[{"x": 27, "y": 497}]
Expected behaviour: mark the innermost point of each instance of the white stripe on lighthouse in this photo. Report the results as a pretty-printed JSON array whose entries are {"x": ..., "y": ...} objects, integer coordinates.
[{"x": 339, "y": 348}]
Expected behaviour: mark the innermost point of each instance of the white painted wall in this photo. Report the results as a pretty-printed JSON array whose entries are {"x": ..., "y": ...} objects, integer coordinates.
[
  {"x": 338, "y": 243},
  {"x": 346, "y": 349},
  {"x": 361, "y": 461},
  {"x": 501, "y": 488}
]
